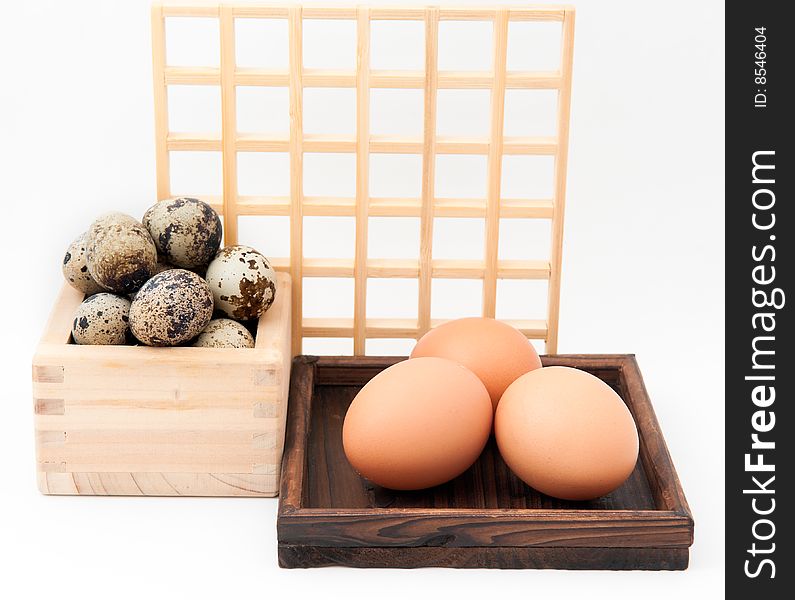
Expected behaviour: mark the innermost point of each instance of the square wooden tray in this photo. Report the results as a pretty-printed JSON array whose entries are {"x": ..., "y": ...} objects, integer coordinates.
[{"x": 485, "y": 518}]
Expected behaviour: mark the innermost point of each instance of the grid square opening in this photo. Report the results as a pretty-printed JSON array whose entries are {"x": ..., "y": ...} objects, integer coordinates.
[
  {"x": 528, "y": 177},
  {"x": 460, "y": 176},
  {"x": 393, "y": 237},
  {"x": 466, "y": 45},
  {"x": 196, "y": 173},
  {"x": 329, "y": 44},
  {"x": 327, "y": 346},
  {"x": 270, "y": 235},
  {"x": 531, "y": 112},
  {"x": 397, "y": 112},
  {"x": 534, "y": 45},
  {"x": 328, "y": 297},
  {"x": 463, "y": 113},
  {"x": 194, "y": 108},
  {"x": 263, "y": 173},
  {"x": 521, "y": 299},
  {"x": 261, "y": 43},
  {"x": 192, "y": 42},
  {"x": 329, "y": 174},
  {"x": 329, "y": 237},
  {"x": 392, "y": 298},
  {"x": 329, "y": 110},
  {"x": 458, "y": 238},
  {"x": 395, "y": 175},
  {"x": 397, "y": 45},
  {"x": 456, "y": 298},
  {"x": 263, "y": 109},
  {"x": 389, "y": 346},
  {"x": 525, "y": 239}
]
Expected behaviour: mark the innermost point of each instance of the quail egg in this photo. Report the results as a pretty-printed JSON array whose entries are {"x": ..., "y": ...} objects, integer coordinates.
[
  {"x": 171, "y": 308},
  {"x": 186, "y": 231},
  {"x": 75, "y": 269},
  {"x": 224, "y": 333},
  {"x": 102, "y": 319},
  {"x": 120, "y": 253},
  {"x": 242, "y": 281}
]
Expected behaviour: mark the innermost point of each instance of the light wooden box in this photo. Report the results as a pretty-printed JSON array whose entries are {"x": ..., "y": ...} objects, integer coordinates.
[{"x": 136, "y": 420}]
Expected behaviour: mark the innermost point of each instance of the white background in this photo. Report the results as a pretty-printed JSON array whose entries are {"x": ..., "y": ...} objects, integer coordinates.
[{"x": 643, "y": 273}]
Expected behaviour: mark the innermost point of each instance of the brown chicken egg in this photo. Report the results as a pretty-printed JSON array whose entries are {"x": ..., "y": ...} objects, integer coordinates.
[
  {"x": 566, "y": 433},
  {"x": 417, "y": 424},
  {"x": 494, "y": 351}
]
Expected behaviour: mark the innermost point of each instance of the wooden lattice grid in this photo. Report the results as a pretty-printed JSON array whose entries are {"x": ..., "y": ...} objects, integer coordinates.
[{"x": 232, "y": 205}]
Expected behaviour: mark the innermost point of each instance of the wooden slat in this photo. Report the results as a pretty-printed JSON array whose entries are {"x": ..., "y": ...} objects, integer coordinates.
[
  {"x": 328, "y": 267},
  {"x": 249, "y": 142},
  {"x": 174, "y": 75},
  {"x": 177, "y": 75},
  {"x": 495, "y": 163},
  {"x": 329, "y": 78},
  {"x": 183, "y": 10},
  {"x": 315, "y": 206},
  {"x": 397, "y": 13},
  {"x": 296, "y": 172},
  {"x": 407, "y": 268},
  {"x": 330, "y": 12},
  {"x": 262, "y": 77},
  {"x": 400, "y": 328},
  {"x": 379, "y": 144},
  {"x": 229, "y": 124},
  {"x": 263, "y": 11},
  {"x": 322, "y": 206},
  {"x": 163, "y": 185},
  {"x": 561, "y": 159},
  {"x": 362, "y": 177},
  {"x": 535, "y": 13},
  {"x": 531, "y": 80},
  {"x": 194, "y": 142},
  {"x": 330, "y": 143},
  {"x": 428, "y": 169}
]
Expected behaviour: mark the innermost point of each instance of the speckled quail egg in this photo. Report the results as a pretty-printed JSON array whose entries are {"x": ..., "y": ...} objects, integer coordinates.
[
  {"x": 160, "y": 266},
  {"x": 120, "y": 253},
  {"x": 224, "y": 333},
  {"x": 75, "y": 269},
  {"x": 102, "y": 319},
  {"x": 242, "y": 281},
  {"x": 171, "y": 308},
  {"x": 186, "y": 231}
]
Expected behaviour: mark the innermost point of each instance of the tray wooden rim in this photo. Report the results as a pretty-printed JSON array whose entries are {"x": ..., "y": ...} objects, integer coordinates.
[{"x": 670, "y": 527}]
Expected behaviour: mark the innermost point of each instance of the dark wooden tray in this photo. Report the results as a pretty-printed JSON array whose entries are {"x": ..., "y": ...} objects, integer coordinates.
[{"x": 487, "y": 517}]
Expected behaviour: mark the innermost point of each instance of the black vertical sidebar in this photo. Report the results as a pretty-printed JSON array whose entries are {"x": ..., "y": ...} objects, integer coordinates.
[{"x": 760, "y": 227}]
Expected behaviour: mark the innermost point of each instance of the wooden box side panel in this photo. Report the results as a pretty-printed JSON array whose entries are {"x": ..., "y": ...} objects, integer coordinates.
[
  {"x": 163, "y": 421},
  {"x": 616, "y": 559}
]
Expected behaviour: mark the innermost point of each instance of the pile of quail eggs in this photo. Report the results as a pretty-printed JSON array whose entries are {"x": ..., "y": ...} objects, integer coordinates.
[{"x": 166, "y": 281}]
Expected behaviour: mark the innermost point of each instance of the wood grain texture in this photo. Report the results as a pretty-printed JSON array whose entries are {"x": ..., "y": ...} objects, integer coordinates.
[
  {"x": 617, "y": 559},
  {"x": 159, "y": 484},
  {"x": 135, "y": 420},
  {"x": 328, "y": 514}
]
